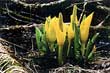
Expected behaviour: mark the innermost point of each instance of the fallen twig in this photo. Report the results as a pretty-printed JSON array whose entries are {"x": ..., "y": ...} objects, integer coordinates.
[
  {"x": 39, "y": 25},
  {"x": 105, "y": 8},
  {"x": 21, "y": 26},
  {"x": 3, "y": 40},
  {"x": 36, "y": 5},
  {"x": 83, "y": 3},
  {"x": 100, "y": 24},
  {"x": 82, "y": 13},
  {"x": 27, "y": 19}
]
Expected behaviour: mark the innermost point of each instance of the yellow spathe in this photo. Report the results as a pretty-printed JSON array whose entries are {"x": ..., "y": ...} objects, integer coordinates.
[
  {"x": 74, "y": 20},
  {"x": 84, "y": 28},
  {"x": 50, "y": 29},
  {"x": 60, "y": 31}
]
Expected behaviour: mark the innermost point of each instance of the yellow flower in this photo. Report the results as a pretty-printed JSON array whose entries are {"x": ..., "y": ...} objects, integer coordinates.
[
  {"x": 60, "y": 32},
  {"x": 61, "y": 21},
  {"x": 60, "y": 36},
  {"x": 74, "y": 20},
  {"x": 50, "y": 29},
  {"x": 70, "y": 31},
  {"x": 65, "y": 28},
  {"x": 47, "y": 22},
  {"x": 84, "y": 28}
]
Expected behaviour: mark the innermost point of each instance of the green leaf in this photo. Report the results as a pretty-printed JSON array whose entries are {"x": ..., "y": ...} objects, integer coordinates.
[
  {"x": 38, "y": 35},
  {"x": 41, "y": 41},
  {"x": 65, "y": 48},
  {"x": 44, "y": 43},
  {"x": 90, "y": 46},
  {"x": 77, "y": 51},
  {"x": 90, "y": 56}
]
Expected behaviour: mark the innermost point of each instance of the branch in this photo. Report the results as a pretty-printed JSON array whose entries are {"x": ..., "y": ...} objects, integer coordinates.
[
  {"x": 3, "y": 40},
  {"x": 103, "y": 7},
  {"x": 100, "y": 24},
  {"x": 81, "y": 15},
  {"x": 9, "y": 12},
  {"x": 36, "y": 5},
  {"x": 84, "y": 3},
  {"x": 39, "y": 25}
]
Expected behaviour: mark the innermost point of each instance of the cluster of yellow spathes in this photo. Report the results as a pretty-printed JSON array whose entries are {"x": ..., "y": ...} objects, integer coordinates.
[{"x": 57, "y": 30}]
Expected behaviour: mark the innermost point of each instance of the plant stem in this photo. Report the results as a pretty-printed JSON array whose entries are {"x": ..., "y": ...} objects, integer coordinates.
[
  {"x": 51, "y": 47},
  {"x": 83, "y": 49},
  {"x": 68, "y": 48},
  {"x": 60, "y": 55}
]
